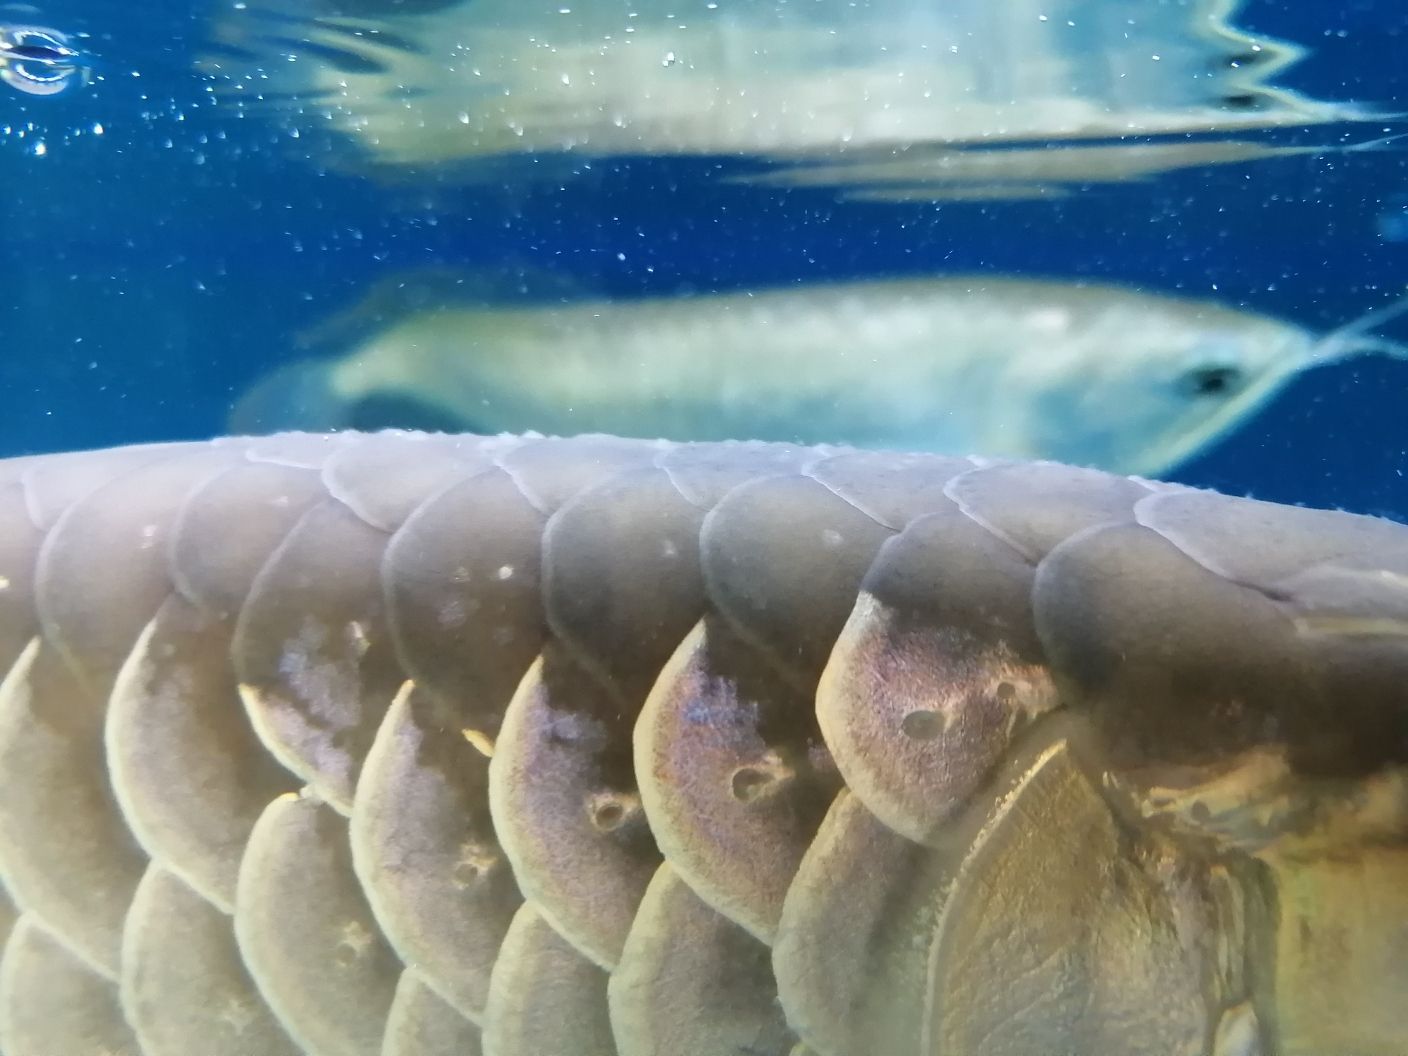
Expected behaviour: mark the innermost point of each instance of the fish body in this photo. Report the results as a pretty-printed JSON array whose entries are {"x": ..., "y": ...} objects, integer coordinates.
[
  {"x": 1082, "y": 373},
  {"x": 380, "y": 745}
]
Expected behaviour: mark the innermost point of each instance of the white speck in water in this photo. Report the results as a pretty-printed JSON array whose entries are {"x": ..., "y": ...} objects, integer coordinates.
[
  {"x": 505, "y": 572},
  {"x": 669, "y": 59},
  {"x": 40, "y": 149},
  {"x": 831, "y": 537},
  {"x": 98, "y": 129},
  {"x": 4, "y": 583}
]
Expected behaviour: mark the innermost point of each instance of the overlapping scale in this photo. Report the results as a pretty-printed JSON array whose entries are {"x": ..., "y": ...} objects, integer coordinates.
[
  {"x": 936, "y": 671},
  {"x": 692, "y": 982},
  {"x": 851, "y": 956},
  {"x": 564, "y": 805},
  {"x": 427, "y": 856},
  {"x": 312, "y": 650},
  {"x": 732, "y": 774},
  {"x": 184, "y": 987},
  {"x": 545, "y": 999},
  {"x": 420, "y": 1023},
  {"x": 50, "y": 1001},
  {"x": 305, "y": 931},
  {"x": 66, "y": 854},
  {"x": 188, "y": 771},
  {"x": 406, "y": 745}
]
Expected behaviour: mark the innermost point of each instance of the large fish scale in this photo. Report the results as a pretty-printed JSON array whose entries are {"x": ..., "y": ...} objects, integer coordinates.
[{"x": 408, "y": 745}]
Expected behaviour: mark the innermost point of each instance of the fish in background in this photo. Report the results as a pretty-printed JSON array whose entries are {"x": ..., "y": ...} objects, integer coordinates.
[
  {"x": 1099, "y": 375},
  {"x": 429, "y": 86}
]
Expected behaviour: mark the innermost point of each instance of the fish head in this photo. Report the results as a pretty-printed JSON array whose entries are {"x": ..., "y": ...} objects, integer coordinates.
[{"x": 1148, "y": 397}]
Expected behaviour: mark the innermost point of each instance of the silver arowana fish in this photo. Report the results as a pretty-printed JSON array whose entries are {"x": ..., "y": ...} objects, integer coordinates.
[
  {"x": 1087, "y": 374},
  {"x": 362, "y": 745}
]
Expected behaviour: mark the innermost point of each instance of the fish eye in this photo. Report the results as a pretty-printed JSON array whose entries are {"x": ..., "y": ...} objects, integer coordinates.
[{"x": 1211, "y": 380}]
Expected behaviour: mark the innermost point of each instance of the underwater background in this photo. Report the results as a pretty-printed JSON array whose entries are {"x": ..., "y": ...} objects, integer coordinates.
[{"x": 158, "y": 249}]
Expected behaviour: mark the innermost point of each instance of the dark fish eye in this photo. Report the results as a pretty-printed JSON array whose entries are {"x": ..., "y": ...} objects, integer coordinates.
[
  {"x": 1244, "y": 101},
  {"x": 39, "y": 52},
  {"x": 1212, "y": 381},
  {"x": 35, "y": 45}
]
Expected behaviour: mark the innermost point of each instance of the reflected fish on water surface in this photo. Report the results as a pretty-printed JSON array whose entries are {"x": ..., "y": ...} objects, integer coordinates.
[
  {"x": 1099, "y": 375},
  {"x": 1013, "y": 173},
  {"x": 414, "y": 87},
  {"x": 40, "y": 61}
]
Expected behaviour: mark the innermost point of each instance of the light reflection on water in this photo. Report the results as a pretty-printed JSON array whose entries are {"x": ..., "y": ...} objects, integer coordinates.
[{"x": 887, "y": 100}]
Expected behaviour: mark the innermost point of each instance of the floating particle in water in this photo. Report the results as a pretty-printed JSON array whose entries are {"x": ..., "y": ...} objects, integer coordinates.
[{"x": 39, "y": 61}]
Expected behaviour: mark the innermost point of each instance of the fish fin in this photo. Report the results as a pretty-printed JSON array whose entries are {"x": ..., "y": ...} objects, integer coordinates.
[
  {"x": 298, "y": 395},
  {"x": 434, "y": 287}
]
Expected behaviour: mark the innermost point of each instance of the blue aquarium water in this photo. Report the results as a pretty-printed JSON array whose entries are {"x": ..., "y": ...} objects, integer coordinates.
[{"x": 179, "y": 206}]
